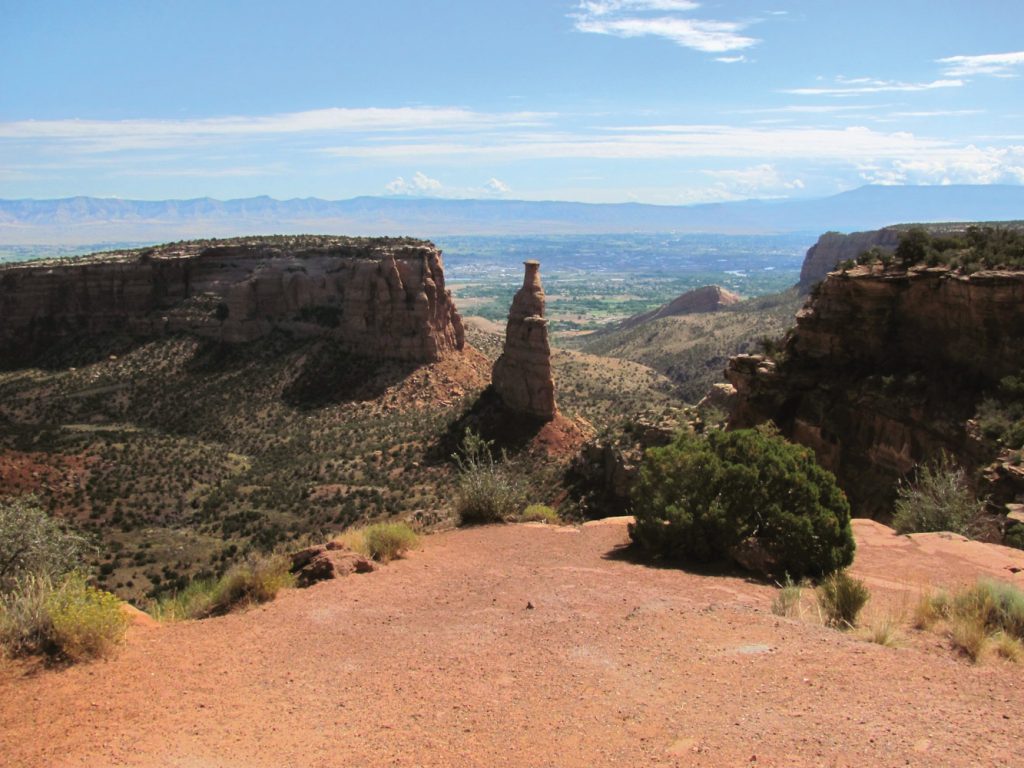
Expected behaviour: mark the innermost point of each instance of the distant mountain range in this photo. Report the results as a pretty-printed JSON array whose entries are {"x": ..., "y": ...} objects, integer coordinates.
[{"x": 78, "y": 220}]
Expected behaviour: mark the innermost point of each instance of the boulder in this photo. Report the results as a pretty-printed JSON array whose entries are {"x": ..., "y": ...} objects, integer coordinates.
[{"x": 328, "y": 561}]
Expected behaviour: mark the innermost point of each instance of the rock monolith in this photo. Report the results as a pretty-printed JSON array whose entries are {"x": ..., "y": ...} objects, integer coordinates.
[{"x": 522, "y": 375}]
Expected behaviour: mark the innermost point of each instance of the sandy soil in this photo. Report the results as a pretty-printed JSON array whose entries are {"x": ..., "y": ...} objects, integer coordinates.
[{"x": 439, "y": 660}]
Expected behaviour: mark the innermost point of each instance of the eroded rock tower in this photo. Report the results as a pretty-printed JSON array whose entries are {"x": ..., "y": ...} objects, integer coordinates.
[{"x": 522, "y": 375}]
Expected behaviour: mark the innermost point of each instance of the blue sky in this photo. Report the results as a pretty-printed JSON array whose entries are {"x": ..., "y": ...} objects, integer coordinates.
[{"x": 660, "y": 101}]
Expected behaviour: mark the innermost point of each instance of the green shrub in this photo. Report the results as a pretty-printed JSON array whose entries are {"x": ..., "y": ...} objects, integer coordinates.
[
  {"x": 540, "y": 513},
  {"x": 700, "y": 498},
  {"x": 386, "y": 541},
  {"x": 31, "y": 542},
  {"x": 841, "y": 598},
  {"x": 940, "y": 500},
  {"x": 69, "y": 619},
  {"x": 997, "y": 606},
  {"x": 87, "y": 622},
  {"x": 486, "y": 491}
]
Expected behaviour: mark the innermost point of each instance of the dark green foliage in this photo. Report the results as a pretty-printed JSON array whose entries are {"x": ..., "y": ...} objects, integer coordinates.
[
  {"x": 699, "y": 498},
  {"x": 1001, "y": 417},
  {"x": 970, "y": 250}
]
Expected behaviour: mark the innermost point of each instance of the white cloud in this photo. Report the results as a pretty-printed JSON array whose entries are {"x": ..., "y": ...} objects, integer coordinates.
[
  {"x": 756, "y": 180},
  {"x": 762, "y": 181},
  {"x": 969, "y": 165},
  {"x": 496, "y": 188},
  {"x": 629, "y": 18},
  {"x": 419, "y": 184},
  {"x": 994, "y": 64},
  {"x": 604, "y": 7},
  {"x": 848, "y": 86},
  {"x": 732, "y": 59}
]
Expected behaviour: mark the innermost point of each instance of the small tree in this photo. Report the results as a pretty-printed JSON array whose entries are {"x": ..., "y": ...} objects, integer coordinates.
[{"x": 702, "y": 498}]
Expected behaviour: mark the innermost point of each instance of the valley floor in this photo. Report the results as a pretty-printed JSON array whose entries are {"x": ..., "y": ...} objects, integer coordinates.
[{"x": 438, "y": 660}]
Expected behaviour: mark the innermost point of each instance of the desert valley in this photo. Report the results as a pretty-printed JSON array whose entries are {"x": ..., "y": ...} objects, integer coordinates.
[{"x": 577, "y": 383}]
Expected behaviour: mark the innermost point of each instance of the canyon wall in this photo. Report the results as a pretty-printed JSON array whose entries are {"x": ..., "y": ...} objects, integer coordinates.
[
  {"x": 379, "y": 297},
  {"x": 885, "y": 370},
  {"x": 834, "y": 247}
]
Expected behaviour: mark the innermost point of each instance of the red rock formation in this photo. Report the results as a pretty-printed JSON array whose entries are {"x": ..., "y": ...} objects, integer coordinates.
[
  {"x": 522, "y": 375},
  {"x": 382, "y": 297},
  {"x": 884, "y": 370}
]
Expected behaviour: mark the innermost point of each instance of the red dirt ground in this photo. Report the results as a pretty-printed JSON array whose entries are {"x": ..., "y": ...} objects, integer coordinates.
[{"x": 437, "y": 660}]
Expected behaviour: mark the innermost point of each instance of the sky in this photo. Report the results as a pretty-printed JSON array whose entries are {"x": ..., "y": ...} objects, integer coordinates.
[{"x": 654, "y": 101}]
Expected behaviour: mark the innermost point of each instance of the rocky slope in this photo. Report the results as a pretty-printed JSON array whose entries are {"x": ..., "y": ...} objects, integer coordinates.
[
  {"x": 885, "y": 369},
  {"x": 378, "y": 297},
  {"x": 709, "y": 298}
]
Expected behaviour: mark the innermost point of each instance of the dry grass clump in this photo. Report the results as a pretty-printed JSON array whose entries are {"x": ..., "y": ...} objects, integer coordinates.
[
  {"x": 255, "y": 580},
  {"x": 884, "y": 630},
  {"x": 386, "y": 541},
  {"x": 381, "y": 541},
  {"x": 989, "y": 614},
  {"x": 841, "y": 598},
  {"x": 787, "y": 601}
]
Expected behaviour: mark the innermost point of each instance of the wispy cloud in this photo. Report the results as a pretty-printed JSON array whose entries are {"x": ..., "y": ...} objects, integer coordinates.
[
  {"x": 994, "y": 64},
  {"x": 633, "y": 18},
  {"x": 849, "y": 86},
  {"x": 103, "y": 135}
]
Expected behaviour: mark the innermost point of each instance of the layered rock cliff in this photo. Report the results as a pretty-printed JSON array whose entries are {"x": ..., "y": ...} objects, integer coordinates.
[
  {"x": 379, "y": 297},
  {"x": 885, "y": 370},
  {"x": 522, "y": 374},
  {"x": 834, "y": 247}
]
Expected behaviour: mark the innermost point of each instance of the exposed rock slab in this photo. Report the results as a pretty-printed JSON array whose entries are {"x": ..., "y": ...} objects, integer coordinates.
[
  {"x": 522, "y": 374},
  {"x": 379, "y": 297}
]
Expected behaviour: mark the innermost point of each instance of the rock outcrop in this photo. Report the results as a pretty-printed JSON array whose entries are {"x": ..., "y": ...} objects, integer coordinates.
[
  {"x": 522, "y": 374},
  {"x": 885, "y": 370},
  {"x": 379, "y": 297},
  {"x": 834, "y": 247},
  {"x": 709, "y": 298}
]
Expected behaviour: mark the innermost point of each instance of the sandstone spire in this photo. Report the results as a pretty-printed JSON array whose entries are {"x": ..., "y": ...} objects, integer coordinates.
[{"x": 522, "y": 375}]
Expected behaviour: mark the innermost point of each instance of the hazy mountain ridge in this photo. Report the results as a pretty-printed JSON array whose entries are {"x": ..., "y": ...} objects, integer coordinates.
[{"x": 88, "y": 219}]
